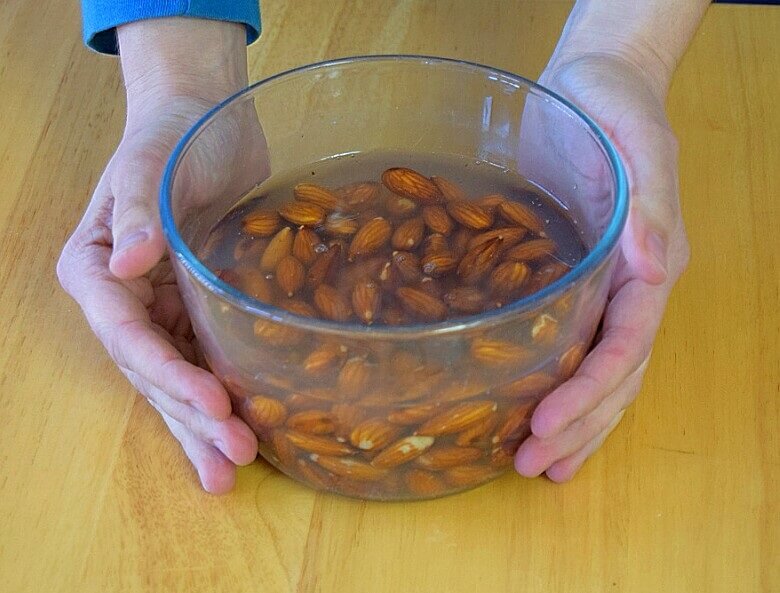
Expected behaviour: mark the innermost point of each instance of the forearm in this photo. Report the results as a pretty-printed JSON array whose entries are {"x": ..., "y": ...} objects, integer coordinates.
[{"x": 652, "y": 35}]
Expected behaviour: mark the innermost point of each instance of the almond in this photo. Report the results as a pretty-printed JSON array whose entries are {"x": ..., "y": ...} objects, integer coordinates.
[
  {"x": 265, "y": 412},
  {"x": 520, "y": 214},
  {"x": 299, "y": 401},
  {"x": 402, "y": 451},
  {"x": 255, "y": 284},
  {"x": 478, "y": 262},
  {"x": 501, "y": 459},
  {"x": 457, "y": 418},
  {"x": 490, "y": 202},
  {"x": 470, "y": 215},
  {"x": 324, "y": 267},
  {"x": 331, "y": 303},
  {"x": 439, "y": 263},
  {"x": 313, "y": 475},
  {"x": 320, "y": 445},
  {"x": 283, "y": 449},
  {"x": 280, "y": 245},
  {"x": 341, "y": 225},
  {"x": 407, "y": 265},
  {"x": 400, "y": 206},
  {"x": 312, "y": 422},
  {"x": 302, "y": 214},
  {"x": 301, "y": 308},
  {"x": 435, "y": 243},
  {"x": 545, "y": 329},
  {"x": 349, "y": 468},
  {"x": 571, "y": 359},
  {"x": 467, "y": 476},
  {"x": 304, "y": 246},
  {"x": 323, "y": 359},
  {"x": 451, "y": 191},
  {"x": 477, "y": 433},
  {"x": 388, "y": 276},
  {"x": 394, "y": 316},
  {"x": 515, "y": 427},
  {"x": 437, "y": 219},
  {"x": 509, "y": 236},
  {"x": 533, "y": 385},
  {"x": 423, "y": 483},
  {"x": 439, "y": 458},
  {"x": 532, "y": 250},
  {"x": 317, "y": 195},
  {"x": 411, "y": 184},
  {"x": 462, "y": 388},
  {"x": 499, "y": 352},
  {"x": 508, "y": 277},
  {"x": 546, "y": 275},
  {"x": 461, "y": 240},
  {"x": 420, "y": 304},
  {"x": 347, "y": 416},
  {"x": 431, "y": 286},
  {"x": 413, "y": 414},
  {"x": 373, "y": 434},
  {"x": 276, "y": 334},
  {"x": 370, "y": 237},
  {"x": 290, "y": 275},
  {"x": 359, "y": 195},
  {"x": 262, "y": 223},
  {"x": 369, "y": 268},
  {"x": 367, "y": 300},
  {"x": 355, "y": 377},
  {"x": 409, "y": 234},
  {"x": 465, "y": 299}
]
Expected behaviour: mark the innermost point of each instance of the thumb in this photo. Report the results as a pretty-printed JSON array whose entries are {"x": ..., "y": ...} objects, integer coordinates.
[{"x": 138, "y": 242}]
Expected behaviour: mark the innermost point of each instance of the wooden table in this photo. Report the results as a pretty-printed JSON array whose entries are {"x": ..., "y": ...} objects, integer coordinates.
[{"x": 96, "y": 496}]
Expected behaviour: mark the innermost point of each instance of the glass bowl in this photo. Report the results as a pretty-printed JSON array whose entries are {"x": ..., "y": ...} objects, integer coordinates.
[{"x": 428, "y": 409}]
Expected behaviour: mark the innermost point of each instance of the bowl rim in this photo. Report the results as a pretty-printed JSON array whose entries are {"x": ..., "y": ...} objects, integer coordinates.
[{"x": 598, "y": 255}]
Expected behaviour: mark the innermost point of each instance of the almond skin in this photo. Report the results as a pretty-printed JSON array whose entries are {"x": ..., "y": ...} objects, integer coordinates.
[
  {"x": 304, "y": 244},
  {"x": 367, "y": 300},
  {"x": 457, "y": 418},
  {"x": 402, "y": 451},
  {"x": 317, "y": 195},
  {"x": 520, "y": 214},
  {"x": 451, "y": 191},
  {"x": 370, "y": 237},
  {"x": 373, "y": 434},
  {"x": 498, "y": 353},
  {"x": 312, "y": 422},
  {"x": 437, "y": 219},
  {"x": 532, "y": 250},
  {"x": 411, "y": 184},
  {"x": 278, "y": 248},
  {"x": 302, "y": 214},
  {"x": 331, "y": 303},
  {"x": 261, "y": 223},
  {"x": 290, "y": 275},
  {"x": 409, "y": 234},
  {"x": 470, "y": 215},
  {"x": 420, "y": 304}
]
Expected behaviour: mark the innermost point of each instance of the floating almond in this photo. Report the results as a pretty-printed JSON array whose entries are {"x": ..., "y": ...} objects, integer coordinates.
[
  {"x": 359, "y": 195},
  {"x": 341, "y": 225},
  {"x": 370, "y": 237},
  {"x": 373, "y": 434},
  {"x": 439, "y": 458},
  {"x": 437, "y": 219},
  {"x": 465, "y": 299},
  {"x": 409, "y": 234},
  {"x": 478, "y": 262},
  {"x": 280, "y": 246},
  {"x": 532, "y": 250},
  {"x": 413, "y": 415},
  {"x": 402, "y": 451},
  {"x": 509, "y": 236},
  {"x": 355, "y": 377},
  {"x": 400, "y": 206},
  {"x": 457, "y": 418},
  {"x": 317, "y": 195},
  {"x": 304, "y": 245},
  {"x": 407, "y": 265},
  {"x": 349, "y": 468},
  {"x": 490, "y": 202},
  {"x": 302, "y": 214},
  {"x": 301, "y": 308},
  {"x": 423, "y": 483},
  {"x": 544, "y": 329},
  {"x": 312, "y": 422},
  {"x": 290, "y": 275},
  {"x": 499, "y": 352},
  {"x": 265, "y": 412},
  {"x": 420, "y": 304},
  {"x": 508, "y": 277},
  {"x": 367, "y": 300},
  {"x": 571, "y": 359},
  {"x": 470, "y": 215},
  {"x": 331, "y": 303},
  {"x": 438, "y": 263},
  {"x": 324, "y": 267},
  {"x": 323, "y": 359},
  {"x": 320, "y": 445},
  {"x": 262, "y": 223},
  {"x": 451, "y": 191},
  {"x": 411, "y": 184},
  {"x": 467, "y": 476},
  {"x": 533, "y": 385},
  {"x": 477, "y": 433},
  {"x": 520, "y": 214},
  {"x": 515, "y": 427},
  {"x": 276, "y": 334}
]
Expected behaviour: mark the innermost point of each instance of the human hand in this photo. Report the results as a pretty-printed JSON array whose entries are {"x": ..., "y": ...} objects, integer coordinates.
[
  {"x": 573, "y": 421},
  {"x": 114, "y": 265}
]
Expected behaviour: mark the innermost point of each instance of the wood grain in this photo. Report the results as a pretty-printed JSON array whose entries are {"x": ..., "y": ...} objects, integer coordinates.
[{"x": 96, "y": 496}]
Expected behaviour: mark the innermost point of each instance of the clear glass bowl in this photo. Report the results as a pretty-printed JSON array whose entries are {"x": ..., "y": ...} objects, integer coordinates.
[{"x": 444, "y": 418}]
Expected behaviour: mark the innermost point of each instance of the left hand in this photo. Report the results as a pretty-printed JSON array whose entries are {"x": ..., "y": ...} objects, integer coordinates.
[{"x": 572, "y": 422}]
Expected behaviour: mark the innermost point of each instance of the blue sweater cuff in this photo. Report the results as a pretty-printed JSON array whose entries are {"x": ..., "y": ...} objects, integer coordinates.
[{"x": 101, "y": 17}]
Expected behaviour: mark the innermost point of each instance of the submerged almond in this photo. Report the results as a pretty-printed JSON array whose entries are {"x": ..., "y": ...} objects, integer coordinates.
[
  {"x": 411, "y": 184},
  {"x": 290, "y": 275},
  {"x": 408, "y": 234},
  {"x": 278, "y": 248},
  {"x": 317, "y": 195},
  {"x": 367, "y": 300},
  {"x": 302, "y": 213},
  {"x": 370, "y": 237},
  {"x": 520, "y": 214},
  {"x": 420, "y": 304},
  {"x": 470, "y": 215}
]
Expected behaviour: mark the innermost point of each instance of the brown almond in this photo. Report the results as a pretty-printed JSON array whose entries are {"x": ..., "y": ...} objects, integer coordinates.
[
  {"x": 367, "y": 300},
  {"x": 457, "y": 418},
  {"x": 423, "y": 483},
  {"x": 571, "y": 359},
  {"x": 461, "y": 388},
  {"x": 451, "y": 191},
  {"x": 508, "y": 277},
  {"x": 394, "y": 316},
  {"x": 304, "y": 245},
  {"x": 412, "y": 415},
  {"x": 470, "y": 215},
  {"x": 477, "y": 433},
  {"x": 265, "y": 412},
  {"x": 313, "y": 475},
  {"x": 439, "y": 458},
  {"x": 355, "y": 377},
  {"x": 435, "y": 243},
  {"x": 399, "y": 206},
  {"x": 461, "y": 240},
  {"x": 520, "y": 214},
  {"x": 467, "y": 476},
  {"x": 402, "y": 451},
  {"x": 302, "y": 214},
  {"x": 341, "y": 225},
  {"x": 432, "y": 286},
  {"x": 312, "y": 422},
  {"x": 388, "y": 276},
  {"x": 478, "y": 262},
  {"x": 370, "y": 237},
  {"x": 533, "y": 385},
  {"x": 500, "y": 459},
  {"x": 437, "y": 219},
  {"x": 439, "y": 263},
  {"x": 359, "y": 195},
  {"x": 465, "y": 299},
  {"x": 499, "y": 352},
  {"x": 276, "y": 334},
  {"x": 283, "y": 448},
  {"x": 331, "y": 303},
  {"x": 408, "y": 234},
  {"x": 261, "y": 223},
  {"x": 407, "y": 265},
  {"x": 298, "y": 401},
  {"x": 490, "y": 202},
  {"x": 349, "y": 468},
  {"x": 320, "y": 445},
  {"x": 544, "y": 329},
  {"x": 347, "y": 416},
  {"x": 411, "y": 184},
  {"x": 290, "y": 275},
  {"x": 532, "y": 250},
  {"x": 323, "y": 359},
  {"x": 279, "y": 246},
  {"x": 420, "y": 304},
  {"x": 373, "y": 434},
  {"x": 514, "y": 427},
  {"x": 509, "y": 236},
  {"x": 317, "y": 195},
  {"x": 298, "y": 307},
  {"x": 256, "y": 285},
  {"x": 546, "y": 275},
  {"x": 324, "y": 267}
]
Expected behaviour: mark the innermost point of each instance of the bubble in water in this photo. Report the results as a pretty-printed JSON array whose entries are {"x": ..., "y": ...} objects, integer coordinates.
[{"x": 320, "y": 248}]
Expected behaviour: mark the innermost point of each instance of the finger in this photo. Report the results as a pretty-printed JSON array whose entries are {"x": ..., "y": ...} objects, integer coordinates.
[
  {"x": 217, "y": 474},
  {"x": 232, "y": 437},
  {"x": 535, "y": 455},
  {"x": 564, "y": 470},
  {"x": 630, "y": 325}
]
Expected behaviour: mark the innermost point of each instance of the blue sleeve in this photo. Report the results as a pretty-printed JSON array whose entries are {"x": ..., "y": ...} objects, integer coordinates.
[{"x": 101, "y": 17}]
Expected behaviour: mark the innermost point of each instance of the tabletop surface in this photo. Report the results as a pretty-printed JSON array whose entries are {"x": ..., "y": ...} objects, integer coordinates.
[{"x": 95, "y": 495}]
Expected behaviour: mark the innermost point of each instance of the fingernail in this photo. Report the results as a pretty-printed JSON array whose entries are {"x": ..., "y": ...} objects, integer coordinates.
[
  {"x": 131, "y": 240},
  {"x": 657, "y": 247}
]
